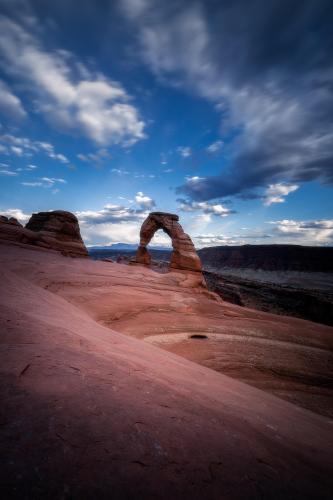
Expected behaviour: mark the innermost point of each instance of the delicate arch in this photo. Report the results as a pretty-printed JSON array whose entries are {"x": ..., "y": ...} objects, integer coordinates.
[{"x": 184, "y": 255}]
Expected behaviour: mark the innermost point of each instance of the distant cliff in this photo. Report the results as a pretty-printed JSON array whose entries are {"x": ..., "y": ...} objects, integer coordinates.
[{"x": 269, "y": 257}]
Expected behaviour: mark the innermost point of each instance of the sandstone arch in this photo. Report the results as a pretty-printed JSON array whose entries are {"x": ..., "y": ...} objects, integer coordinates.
[{"x": 184, "y": 255}]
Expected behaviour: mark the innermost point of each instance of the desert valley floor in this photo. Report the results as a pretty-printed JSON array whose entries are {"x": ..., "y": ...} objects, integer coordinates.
[{"x": 121, "y": 382}]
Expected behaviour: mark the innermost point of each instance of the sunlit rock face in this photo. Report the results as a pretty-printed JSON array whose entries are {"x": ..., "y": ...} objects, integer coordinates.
[
  {"x": 56, "y": 230},
  {"x": 184, "y": 255}
]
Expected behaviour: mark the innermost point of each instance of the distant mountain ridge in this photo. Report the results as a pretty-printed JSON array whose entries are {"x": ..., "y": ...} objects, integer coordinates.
[
  {"x": 268, "y": 257},
  {"x": 265, "y": 257},
  {"x": 124, "y": 246}
]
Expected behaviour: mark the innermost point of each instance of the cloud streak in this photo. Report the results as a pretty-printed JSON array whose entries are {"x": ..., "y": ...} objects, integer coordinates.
[
  {"x": 111, "y": 214},
  {"x": 311, "y": 232},
  {"x": 184, "y": 151},
  {"x": 276, "y": 193},
  {"x": 216, "y": 209},
  {"x": 144, "y": 202},
  {"x": 10, "y": 104},
  {"x": 271, "y": 85},
  {"x": 45, "y": 182},
  {"x": 24, "y": 147},
  {"x": 71, "y": 99},
  {"x": 17, "y": 213}
]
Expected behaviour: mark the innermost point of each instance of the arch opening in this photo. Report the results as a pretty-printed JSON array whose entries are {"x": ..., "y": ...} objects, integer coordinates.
[{"x": 160, "y": 249}]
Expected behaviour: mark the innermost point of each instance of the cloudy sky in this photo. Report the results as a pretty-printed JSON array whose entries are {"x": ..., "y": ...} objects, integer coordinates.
[{"x": 218, "y": 110}]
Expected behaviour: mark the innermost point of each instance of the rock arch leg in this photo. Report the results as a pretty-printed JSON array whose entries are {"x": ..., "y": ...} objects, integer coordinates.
[{"x": 184, "y": 255}]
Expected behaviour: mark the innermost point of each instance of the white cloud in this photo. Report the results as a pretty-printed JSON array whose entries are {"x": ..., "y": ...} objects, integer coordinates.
[
  {"x": 62, "y": 158},
  {"x": 134, "y": 8},
  {"x": 215, "y": 240},
  {"x": 97, "y": 107},
  {"x": 106, "y": 233},
  {"x": 184, "y": 151},
  {"x": 45, "y": 182},
  {"x": 282, "y": 130},
  {"x": 10, "y": 104},
  {"x": 17, "y": 150},
  {"x": 207, "y": 208},
  {"x": 311, "y": 232},
  {"x": 287, "y": 231},
  {"x": 96, "y": 158},
  {"x": 145, "y": 202},
  {"x": 125, "y": 199},
  {"x": 118, "y": 232},
  {"x": 162, "y": 35},
  {"x": 111, "y": 213},
  {"x": 17, "y": 213},
  {"x": 276, "y": 193},
  {"x": 52, "y": 180},
  {"x": 164, "y": 160},
  {"x": 214, "y": 147},
  {"x": 6, "y": 171},
  {"x": 198, "y": 223},
  {"x": 32, "y": 184},
  {"x": 22, "y": 146},
  {"x": 144, "y": 176},
  {"x": 49, "y": 149},
  {"x": 111, "y": 224},
  {"x": 194, "y": 180},
  {"x": 194, "y": 183},
  {"x": 120, "y": 171},
  {"x": 116, "y": 223}
]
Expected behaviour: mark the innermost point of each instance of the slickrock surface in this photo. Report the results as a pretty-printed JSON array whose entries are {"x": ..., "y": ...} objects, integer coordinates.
[
  {"x": 57, "y": 230},
  {"x": 184, "y": 255},
  {"x": 88, "y": 412}
]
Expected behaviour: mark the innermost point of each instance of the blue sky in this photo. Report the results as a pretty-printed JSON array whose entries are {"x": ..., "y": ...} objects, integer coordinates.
[{"x": 113, "y": 109}]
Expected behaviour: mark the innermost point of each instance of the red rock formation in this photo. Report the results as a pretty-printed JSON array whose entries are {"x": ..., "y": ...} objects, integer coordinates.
[
  {"x": 57, "y": 230},
  {"x": 89, "y": 412},
  {"x": 184, "y": 255},
  {"x": 12, "y": 231}
]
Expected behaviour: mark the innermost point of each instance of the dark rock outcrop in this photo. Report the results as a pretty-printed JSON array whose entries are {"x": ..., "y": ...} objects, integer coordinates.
[
  {"x": 311, "y": 304},
  {"x": 184, "y": 255},
  {"x": 12, "y": 231},
  {"x": 57, "y": 230},
  {"x": 268, "y": 257}
]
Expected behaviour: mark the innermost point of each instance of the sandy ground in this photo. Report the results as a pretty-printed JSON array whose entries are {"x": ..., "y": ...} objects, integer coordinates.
[{"x": 88, "y": 412}]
